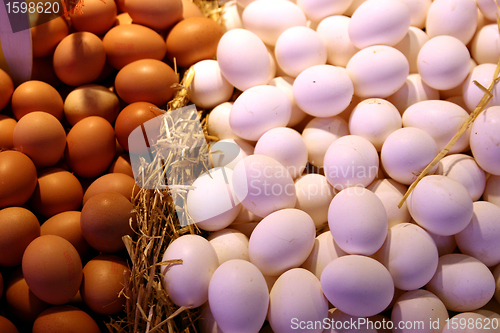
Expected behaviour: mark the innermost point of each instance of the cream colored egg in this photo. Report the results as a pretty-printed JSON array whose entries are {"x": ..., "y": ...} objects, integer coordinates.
[
  {"x": 485, "y": 46},
  {"x": 229, "y": 244},
  {"x": 483, "y": 74},
  {"x": 285, "y": 83},
  {"x": 445, "y": 244},
  {"x": 334, "y": 32},
  {"x": 324, "y": 251},
  {"x": 390, "y": 192},
  {"x": 228, "y": 152},
  {"x": 218, "y": 122},
  {"x": 414, "y": 90},
  {"x": 314, "y": 195},
  {"x": 209, "y": 88},
  {"x": 492, "y": 190},
  {"x": 411, "y": 44},
  {"x": 468, "y": 322},
  {"x": 340, "y": 322}
]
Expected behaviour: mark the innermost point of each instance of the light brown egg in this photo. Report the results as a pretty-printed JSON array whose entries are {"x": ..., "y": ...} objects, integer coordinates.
[
  {"x": 98, "y": 16},
  {"x": 6, "y": 326},
  {"x": 6, "y": 88},
  {"x": 19, "y": 228},
  {"x": 156, "y": 14},
  {"x": 57, "y": 191},
  {"x": 130, "y": 42},
  {"x": 123, "y": 18},
  {"x": 67, "y": 225},
  {"x": 35, "y": 95},
  {"x": 105, "y": 220},
  {"x": 52, "y": 269},
  {"x": 90, "y": 147},
  {"x": 192, "y": 40},
  {"x": 44, "y": 71},
  {"x": 91, "y": 100},
  {"x": 103, "y": 280},
  {"x": 65, "y": 318},
  {"x": 111, "y": 182},
  {"x": 40, "y": 136},
  {"x": 21, "y": 301},
  {"x": 79, "y": 58},
  {"x": 131, "y": 117},
  {"x": 122, "y": 165},
  {"x": 46, "y": 36},
  {"x": 190, "y": 9},
  {"x": 7, "y": 125},
  {"x": 146, "y": 80},
  {"x": 17, "y": 177}
]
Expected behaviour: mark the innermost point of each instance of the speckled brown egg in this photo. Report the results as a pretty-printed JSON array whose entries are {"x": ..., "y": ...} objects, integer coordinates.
[
  {"x": 156, "y": 14},
  {"x": 19, "y": 227},
  {"x": 146, "y": 80},
  {"x": 6, "y": 326},
  {"x": 65, "y": 319},
  {"x": 6, "y": 88},
  {"x": 67, "y": 225},
  {"x": 103, "y": 280},
  {"x": 91, "y": 100},
  {"x": 98, "y": 16},
  {"x": 79, "y": 58},
  {"x": 105, "y": 220},
  {"x": 121, "y": 164},
  {"x": 7, "y": 125},
  {"x": 193, "y": 39},
  {"x": 21, "y": 301},
  {"x": 130, "y": 42},
  {"x": 57, "y": 191},
  {"x": 52, "y": 269},
  {"x": 36, "y": 95},
  {"x": 40, "y": 136},
  {"x": 18, "y": 178},
  {"x": 46, "y": 36},
  {"x": 90, "y": 147},
  {"x": 111, "y": 182}
]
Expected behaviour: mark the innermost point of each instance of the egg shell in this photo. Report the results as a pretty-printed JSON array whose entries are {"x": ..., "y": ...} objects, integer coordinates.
[
  {"x": 218, "y": 122},
  {"x": 18, "y": 178},
  {"x": 418, "y": 12},
  {"x": 6, "y": 89},
  {"x": 411, "y": 44},
  {"x": 229, "y": 244},
  {"x": 492, "y": 190},
  {"x": 263, "y": 185},
  {"x": 52, "y": 269},
  {"x": 209, "y": 88},
  {"x": 285, "y": 83},
  {"x": 65, "y": 318},
  {"x": 316, "y": 10},
  {"x": 243, "y": 59},
  {"x": 106, "y": 218},
  {"x": 462, "y": 282},
  {"x": 228, "y": 152},
  {"x": 121, "y": 164},
  {"x": 414, "y": 90},
  {"x": 338, "y": 320},
  {"x": 7, "y": 326},
  {"x": 79, "y": 58},
  {"x": 468, "y": 317},
  {"x": 112, "y": 182},
  {"x": 187, "y": 283},
  {"x": 390, "y": 192},
  {"x": 357, "y": 285},
  {"x": 97, "y": 17},
  {"x": 334, "y": 32},
  {"x": 238, "y": 296},
  {"x": 314, "y": 195},
  {"x": 158, "y": 15},
  {"x": 282, "y": 240},
  {"x": 324, "y": 251},
  {"x": 270, "y": 18},
  {"x": 190, "y": 9},
  {"x": 485, "y": 140},
  {"x": 487, "y": 35},
  {"x": 296, "y": 297},
  {"x": 36, "y": 95},
  {"x": 420, "y": 305},
  {"x": 482, "y": 73},
  {"x": 7, "y": 125},
  {"x": 46, "y": 36}
]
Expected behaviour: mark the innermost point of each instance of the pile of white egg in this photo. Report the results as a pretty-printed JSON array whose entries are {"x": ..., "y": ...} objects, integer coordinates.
[{"x": 343, "y": 103}]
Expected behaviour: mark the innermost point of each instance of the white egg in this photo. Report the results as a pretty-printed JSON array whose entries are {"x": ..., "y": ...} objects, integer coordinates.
[
  {"x": 187, "y": 282},
  {"x": 492, "y": 190},
  {"x": 357, "y": 285},
  {"x": 231, "y": 15},
  {"x": 489, "y": 9},
  {"x": 229, "y": 244},
  {"x": 333, "y": 31},
  {"x": 456, "y": 18},
  {"x": 462, "y": 282},
  {"x": 378, "y": 71},
  {"x": 228, "y": 152},
  {"x": 209, "y": 88},
  {"x": 285, "y": 83},
  {"x": 483, "y": 74},
  {"x": 316, "y": 10},
  {"x": 323, "y": 90},
  {"x": 358, "y": 221},
  {"x": 218, "y": 122},
  {"x": 485, "y": 46},
  {"x": 485, "y": 140},
  {"x": 418, "y": 12},
  {"x": 445, "y": 244},
  {"x": 411, "y": 44},
  {"x": 390, "y": 192},
  {"x": 296, "y": 300},
  {"x": 324, "y": 251},
  {"x": 414, "y": 90},
  {"x": 314, "y": 195},
  {"x": 281, "y": 241}
]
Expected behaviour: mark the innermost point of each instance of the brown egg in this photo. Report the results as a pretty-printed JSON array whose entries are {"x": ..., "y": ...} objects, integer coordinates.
[
  {"x": 40, "y": 136},
  {"x": 120, "y": 4},
  {"x": 7, "y": 125},
  {"x": 146, "y": 80},
  {"x": 122, "y": 165},
  {"x": 67, "y": 225},
  {"x": 65, "y": 319},
  {"x": 105, "y": 220},
  {"x": 79, "y": 58},
  {"x": 131, "y": 117},
  {"x": 130, "y": 42},
  {"x": 193, "y": 39},
  {"x": 6, "y": 326},
  {"x": 156, "y": 14},
  {"x": 111, "y": 182},
  {"x": 17, "y": 177},
  {"x": 35, "y": 95},
  {"x": 90, "y": 147},
  {"x": 46, "y": 36},
  {"x": 190, "y": 9},
  {"x": 103, "y": 280},
  {"x": 123, "y": 18},
  {"x": 53, "y": 269},
  {"x": 91, "y": 100},
  {"x": 98, "y": 16},
  {"x": 21, "y": 301},
  {"x": 19, "y": 228},
  {"x": 6, "y": 88},
  {"x": 44, "y": 71},
  {"x": 57, "y": 191}
]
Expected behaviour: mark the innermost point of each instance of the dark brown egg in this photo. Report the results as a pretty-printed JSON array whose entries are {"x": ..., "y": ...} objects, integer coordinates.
[
  {"x": 53, "y": 269},
  {"x": 65, "y": 319},
  {"x": 57, "y": 191},
  {"x": 6, "y": 88},
  {"x": 17, "y": 177},
  {"x": 111, "y": 182},
  {"x": 6, "y": 326},
  {"x": 122, "y": 165},
  {"x": 35, "y": 95},
  {"x": 105, "y": 220},
  {"x": 156, "y": 14},
  {"x": 19, "y": 227},
  {"x": 46, "y": 36},
  {"x": 7, "y": 125},
  {"x": 103, "y": 280},
  {"x": 98, "y": 16}
]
